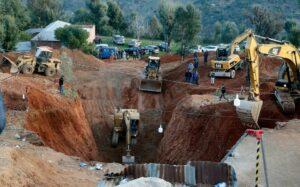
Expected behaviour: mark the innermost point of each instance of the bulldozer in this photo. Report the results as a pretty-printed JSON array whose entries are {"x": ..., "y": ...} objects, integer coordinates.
[
  {"x": 126, "y": 124},
  {"x": 226, "y": 63},
  {"x": 152, "y": 81},
  {"x": 287, "y": 86},
  {"x": 42, "y": 62}
]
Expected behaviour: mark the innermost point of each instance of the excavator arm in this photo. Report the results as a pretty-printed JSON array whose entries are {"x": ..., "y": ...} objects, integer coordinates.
[
  {"x": 249, "y": 110},
  {"x": 239, "y": 39}
]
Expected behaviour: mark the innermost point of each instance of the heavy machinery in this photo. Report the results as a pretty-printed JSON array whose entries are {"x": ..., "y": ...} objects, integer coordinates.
[
  {"x": 126, "y": 124},
  {"x": 226, "y": 62},
  {"x": 42, "y": 62},
  {"x": 152, "y": 81},
  {"x": 287, "y": 87}
]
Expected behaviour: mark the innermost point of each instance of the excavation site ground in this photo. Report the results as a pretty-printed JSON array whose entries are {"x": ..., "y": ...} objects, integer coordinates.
[{"x": 48, "y": 133}]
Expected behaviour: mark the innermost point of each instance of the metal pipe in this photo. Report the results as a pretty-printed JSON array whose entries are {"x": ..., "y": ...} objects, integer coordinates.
[{"x": 265, "y": 162}]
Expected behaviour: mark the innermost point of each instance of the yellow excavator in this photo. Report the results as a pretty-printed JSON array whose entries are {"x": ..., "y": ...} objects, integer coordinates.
[
  {"x": 226, "y": 63},
  {"x": 126, "y": 123},
  {"x": 287, "y": 89}
]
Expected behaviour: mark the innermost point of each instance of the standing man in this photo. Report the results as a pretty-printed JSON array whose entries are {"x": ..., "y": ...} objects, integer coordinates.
[
  {"x": 191, "y": 67},
  {"x": 124, "y": 55},
  {"x": 188, "y": 76},
  {"x": 205, "y": 55},
  {"x": 196, "y": 60},
  {"x": 61, "y": 85},
  {"x": 212, "y": 78},
  {"x": 134, "y": 55},
  {"x": 223, "y": 92},
  {"x": 195, "y": 77}
]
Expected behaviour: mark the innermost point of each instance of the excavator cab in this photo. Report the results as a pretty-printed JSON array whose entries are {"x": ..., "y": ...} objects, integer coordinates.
[
  {"x": 152, "y": 81},
  {"x": 126, "y": 124},
  {"x": 43, "y": 54}
]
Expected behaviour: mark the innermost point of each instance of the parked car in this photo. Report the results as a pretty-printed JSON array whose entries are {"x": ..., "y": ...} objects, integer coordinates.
[
  {"x": 210, "y": 48},
  {"x": 163, "y": 46},
  {"x": 152, "y": 49},
  {"x": 119, "y": 40},
  {"x": 108, "y": 52},
  {"x": 99, "y": 46},
  {"x": 134, "y": 43},
  {"x": 197, "y": 49},
  {"x": 141, "y": 51}
]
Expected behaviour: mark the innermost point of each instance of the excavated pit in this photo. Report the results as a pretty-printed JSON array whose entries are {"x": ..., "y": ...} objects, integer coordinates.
[{"x": 197, "y": 126}]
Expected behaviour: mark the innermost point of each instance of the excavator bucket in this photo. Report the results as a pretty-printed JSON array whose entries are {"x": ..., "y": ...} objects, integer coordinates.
[
  {"x": 9, "y": 65},
  {"x": 149, "y": 85},
  {"x": 248, "y": 112},
  {"x": 128, "y": 159}
]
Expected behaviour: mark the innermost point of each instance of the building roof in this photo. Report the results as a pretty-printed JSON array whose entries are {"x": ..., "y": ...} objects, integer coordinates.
[
  {"x": 33, "y": 30},
  {"x": 23, "y": 46},
  {"x": 48, "y": 33}
]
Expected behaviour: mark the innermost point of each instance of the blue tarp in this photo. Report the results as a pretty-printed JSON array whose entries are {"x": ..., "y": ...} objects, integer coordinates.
[{"x": 2, "y": 114}]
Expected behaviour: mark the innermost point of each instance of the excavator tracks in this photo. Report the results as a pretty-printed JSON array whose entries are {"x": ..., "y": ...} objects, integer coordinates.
[{"x": 285, "y": 101}]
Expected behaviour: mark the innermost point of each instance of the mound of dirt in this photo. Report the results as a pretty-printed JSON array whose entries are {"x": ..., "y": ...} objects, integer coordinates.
[
  {"x": 28, "y": 165},
  {"x": 61, "y": 123},
  {"x": 201, "y": 128}
]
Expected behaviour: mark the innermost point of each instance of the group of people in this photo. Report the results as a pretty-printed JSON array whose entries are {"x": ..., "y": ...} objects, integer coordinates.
[
  {"x": 192, "y": 75},
  {"x": 122, "y": 54}
]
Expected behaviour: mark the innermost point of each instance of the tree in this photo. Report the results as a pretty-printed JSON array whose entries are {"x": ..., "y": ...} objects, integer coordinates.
[
  {"x": 98, "y": 16},
  {"x": 9, "y": 32},
  {"x": 82, "y": 16},
  {"x": 294, "y": 36},
  {"x": 16, "y": 9},
  {"x": 137, "y": 25},
  {"x": 73, "y": 37},
  {"x": 229, "y": 31},
  {"x": 218, "y": 30},
  {"x": 155, "y": 28},
  {"x": 186, "y": 26},
  {"x": 166, "y": 12},
  {"x": 266, "y": 23},
  {"x": 44, "y": 12},
  {"x": 289, "y": 25},
  {"x": 115, "y": 15}
]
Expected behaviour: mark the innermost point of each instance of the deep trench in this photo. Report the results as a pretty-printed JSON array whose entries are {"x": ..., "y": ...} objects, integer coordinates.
[
  {"x": 186, "y": 137},
  {"x": 155, "y": 109}
]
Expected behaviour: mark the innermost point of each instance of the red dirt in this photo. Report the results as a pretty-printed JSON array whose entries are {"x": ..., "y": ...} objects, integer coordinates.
[
  {"x": 195, "y": 132},
  {"x": 105, "y": 86},
  {"x": 120, "y": 88},
  {"x": 61, "y": 123}
]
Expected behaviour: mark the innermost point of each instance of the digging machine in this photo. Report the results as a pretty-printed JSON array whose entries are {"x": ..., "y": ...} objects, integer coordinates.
[
  {"x": 42, "y": 62},
  {"x": 126, "y": 124},
  {"x": 227, "y": 62},
  {"x": 287, "y": 87},
  {"x": 152, "y": 81}
]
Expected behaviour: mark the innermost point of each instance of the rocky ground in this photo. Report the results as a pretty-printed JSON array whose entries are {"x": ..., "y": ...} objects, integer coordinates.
[{"x": 197, "y": 125}]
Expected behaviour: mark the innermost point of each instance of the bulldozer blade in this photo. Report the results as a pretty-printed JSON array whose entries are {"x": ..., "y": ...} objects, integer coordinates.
[
  {"x": 151, "y": 85},
  {"x": 10, "y": 66},
  {"x": 248, "y": 112},
  {"x": 14, "y": 69},
  {"x": 128, "y": 159}
]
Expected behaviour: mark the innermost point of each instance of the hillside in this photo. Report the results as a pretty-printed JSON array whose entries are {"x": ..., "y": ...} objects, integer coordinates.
[{"x": 212, "y": 10}]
